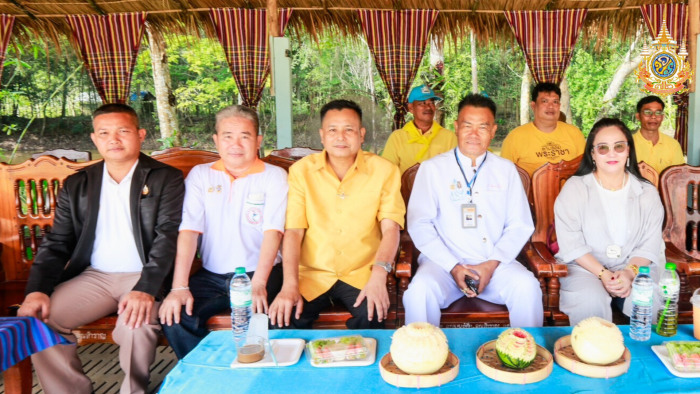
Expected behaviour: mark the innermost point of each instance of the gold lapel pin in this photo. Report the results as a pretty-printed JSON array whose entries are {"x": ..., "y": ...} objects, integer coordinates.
[{"x": 145, "y": 190}]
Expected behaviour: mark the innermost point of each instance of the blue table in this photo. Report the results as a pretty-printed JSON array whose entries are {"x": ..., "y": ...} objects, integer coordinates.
[{"x": 206, "y": 369}]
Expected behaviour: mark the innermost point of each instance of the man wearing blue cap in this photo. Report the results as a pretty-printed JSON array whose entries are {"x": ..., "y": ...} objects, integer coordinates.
[{"x": 421, "y": 138}]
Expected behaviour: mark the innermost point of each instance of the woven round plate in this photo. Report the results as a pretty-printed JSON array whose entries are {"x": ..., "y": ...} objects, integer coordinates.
[
  {"x": 490, "y": 365},
  {"x": 394, "y": 376},
  {"x": 566, "y": 358}
]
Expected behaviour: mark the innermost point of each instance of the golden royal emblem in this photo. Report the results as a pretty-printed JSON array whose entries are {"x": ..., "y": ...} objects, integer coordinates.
[{"x": 662, "y": 70}]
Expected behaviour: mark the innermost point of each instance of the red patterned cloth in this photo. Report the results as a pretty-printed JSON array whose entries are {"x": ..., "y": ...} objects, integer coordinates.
[
  {"x": 547, "y": 38},
  {"x": 6, "y": 23},
  {"x": 243, "y": 35},
  {"x": 397, "y": 40},
  {"x": 109, "y": 46},
  {"x": 676, "y": 16}
]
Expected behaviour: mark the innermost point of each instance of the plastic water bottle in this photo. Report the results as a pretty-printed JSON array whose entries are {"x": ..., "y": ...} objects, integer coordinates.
[
  {"x": 669, "y": 289},
  {"x": 642, "y": 296},
  {"x": 241, "y": 294}
]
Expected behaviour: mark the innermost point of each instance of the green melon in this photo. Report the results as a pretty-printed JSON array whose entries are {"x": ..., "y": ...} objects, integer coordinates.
[{"x": 516, "y": 348}]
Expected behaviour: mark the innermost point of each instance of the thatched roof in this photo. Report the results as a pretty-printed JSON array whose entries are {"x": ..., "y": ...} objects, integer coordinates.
[{"x": 45, "y": 17}]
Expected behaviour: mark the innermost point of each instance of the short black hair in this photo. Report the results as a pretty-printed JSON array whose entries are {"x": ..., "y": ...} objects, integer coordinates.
[
  {"x": 545, "y": 87},
  {"x": 648, "y": 100},
  {"x": 339, "y": 105},
  {"x": 477, "y": 101},
  {"x": 116, "y": 108}
]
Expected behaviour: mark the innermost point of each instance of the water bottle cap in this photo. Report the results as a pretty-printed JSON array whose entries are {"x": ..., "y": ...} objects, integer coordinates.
[
  {"x": 240, "y": 270},
  {"x": 643, "y": 270},
  {"x": 671, "y": 266}
]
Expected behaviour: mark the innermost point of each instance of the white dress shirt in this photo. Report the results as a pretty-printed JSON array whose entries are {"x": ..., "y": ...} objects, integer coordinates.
[
  {"x": 504, "y": 222},
  {"x": 115, "y": 248}
]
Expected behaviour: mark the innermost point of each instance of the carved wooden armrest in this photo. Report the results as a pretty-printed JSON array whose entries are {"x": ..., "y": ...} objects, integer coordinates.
[
  {"x": 558, "y": 269},
  {"x": 405, "y": 259},
  {"x": 685, "y": 264},
  {"x": 539, "y": 267}
]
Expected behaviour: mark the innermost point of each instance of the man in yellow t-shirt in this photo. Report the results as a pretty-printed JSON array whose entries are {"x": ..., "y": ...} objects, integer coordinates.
[
  {"x": 421, "y": 138},
  {"x": 344, "y": 214},
  {"x": 546, "y": 140},
  {"x": 653, "y": 147}
]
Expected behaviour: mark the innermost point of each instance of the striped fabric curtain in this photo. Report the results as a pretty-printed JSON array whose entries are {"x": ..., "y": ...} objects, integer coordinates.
[
  {"x": 547, "y": 38},
  {"x": 676, "y": 16},
  {"x": 243, "y": 35},
  {"x": 6, "y": 24},
  {"x": 109, "y": 46},
  {"x": 397, "y": 40}
]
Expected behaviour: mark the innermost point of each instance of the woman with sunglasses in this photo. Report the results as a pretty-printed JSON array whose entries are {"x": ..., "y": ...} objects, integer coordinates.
[{"x": 608, "y": 222}]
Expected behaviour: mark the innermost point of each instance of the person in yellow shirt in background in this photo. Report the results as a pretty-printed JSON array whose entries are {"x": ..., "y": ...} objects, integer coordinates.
[
  {"x": 546, "y": 139},
  {"x": 421, "y": 138},
  {"x": 653, "y": 147},
  {"x": 344, "y": 214}
]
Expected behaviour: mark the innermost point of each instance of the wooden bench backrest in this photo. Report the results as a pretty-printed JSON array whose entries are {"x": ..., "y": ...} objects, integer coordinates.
[
  {"x": 26, "y": 216},
  {"x": 649, "y": 173},
  {"x": 547, "y": 182},
  {"x": 682, "y": 215},
  {"x": 68, "y": 154}
]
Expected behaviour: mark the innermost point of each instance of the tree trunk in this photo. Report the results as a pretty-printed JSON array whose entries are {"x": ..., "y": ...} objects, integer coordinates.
[
  {"x": 565, "y": 100},
  {"x": 437, "y": 64},
  {"x": 628, "y": 65},
  {"x": 475, "y": 72},
  {"x": 525, "y": 96},
  {"x": 165, "y": 99},
  {"x": 64, "y": 92}
]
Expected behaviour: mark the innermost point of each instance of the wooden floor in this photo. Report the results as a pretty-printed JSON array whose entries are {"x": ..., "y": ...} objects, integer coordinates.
[{"x": 101, "y": 364}]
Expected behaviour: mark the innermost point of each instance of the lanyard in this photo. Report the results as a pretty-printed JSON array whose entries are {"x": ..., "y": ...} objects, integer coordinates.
[{"x": 469, "y": 184}]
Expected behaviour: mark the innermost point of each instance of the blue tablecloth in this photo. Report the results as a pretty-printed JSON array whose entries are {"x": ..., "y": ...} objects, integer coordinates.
[
  {"x": 20, "y": 337},
  {"x": 206, "y": 369}
]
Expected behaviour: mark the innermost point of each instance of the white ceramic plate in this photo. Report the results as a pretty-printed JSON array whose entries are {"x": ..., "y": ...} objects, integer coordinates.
[
  {"x": 662, "y": 353},
  {"x": 287, "y": 351},
  {"x": 369, "y": 360}
]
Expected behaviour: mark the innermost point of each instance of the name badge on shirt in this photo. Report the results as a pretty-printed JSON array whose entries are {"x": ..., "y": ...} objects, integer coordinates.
[
  {"x": 468, "y": 215},
  {"x": 613, "y": 252}
]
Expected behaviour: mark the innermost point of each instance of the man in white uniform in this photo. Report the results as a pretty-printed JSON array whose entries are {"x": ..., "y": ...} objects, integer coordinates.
[{"x": 469, "y": 217}]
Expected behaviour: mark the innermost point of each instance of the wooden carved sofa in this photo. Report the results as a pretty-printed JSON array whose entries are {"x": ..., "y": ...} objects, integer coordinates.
[{"x": 29, "y": 193}]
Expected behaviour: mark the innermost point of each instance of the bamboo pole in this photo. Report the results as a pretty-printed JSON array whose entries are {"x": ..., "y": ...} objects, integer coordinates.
[
  {"x": 273, "y": 30},
  {"x": 694, "y": 30}
]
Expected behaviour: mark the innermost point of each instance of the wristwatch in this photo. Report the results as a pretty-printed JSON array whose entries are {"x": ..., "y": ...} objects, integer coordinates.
[{"x": 387, "y": 265}]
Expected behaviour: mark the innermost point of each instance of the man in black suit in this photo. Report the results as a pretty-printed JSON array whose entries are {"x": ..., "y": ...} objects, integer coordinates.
[{"x": 110, "y": 249}]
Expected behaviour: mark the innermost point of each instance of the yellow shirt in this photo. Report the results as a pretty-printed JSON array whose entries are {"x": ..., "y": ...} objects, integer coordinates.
[
  {"x": 341, "y": 218},
  {"x": 530, "y": 148},
  {"x": 399, "y": 151},
  {"x": 667, "y": 151}
]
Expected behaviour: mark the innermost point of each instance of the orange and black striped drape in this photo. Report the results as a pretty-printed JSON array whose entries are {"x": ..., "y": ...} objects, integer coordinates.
[
  {"x": 109, "y": 46},
  {"x": 6, "y": 24},
  {"x": 676, "y": 16},
  {"x": 397, "y": 40},
  {"x": 547, "y": 38},
  {"x": 243, "y": 35}
]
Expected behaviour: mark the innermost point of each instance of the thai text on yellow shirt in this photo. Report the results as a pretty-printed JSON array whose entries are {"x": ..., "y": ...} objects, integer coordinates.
[
  {"x": 341, "y": 218},
  {"x": 530, "y": 148}
]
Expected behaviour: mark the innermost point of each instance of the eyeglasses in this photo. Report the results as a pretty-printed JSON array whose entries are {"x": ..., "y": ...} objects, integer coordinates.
[
  {"x": 618, "y": 147},
  {"x": 426, "y": 103},
  {"x": 648, "y": 112}
]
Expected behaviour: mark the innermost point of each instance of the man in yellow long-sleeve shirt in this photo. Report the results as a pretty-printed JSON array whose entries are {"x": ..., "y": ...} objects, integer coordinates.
[{"x": 421, "y": 138}]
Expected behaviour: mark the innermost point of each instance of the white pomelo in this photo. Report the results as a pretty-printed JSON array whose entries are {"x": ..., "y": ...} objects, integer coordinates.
[
  {"x": 597, "y": 341},
  {"x": 419, "y": 348}
]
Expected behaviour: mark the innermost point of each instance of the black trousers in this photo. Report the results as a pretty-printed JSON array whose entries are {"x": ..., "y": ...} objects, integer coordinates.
[{"x": 343, "y": 294}]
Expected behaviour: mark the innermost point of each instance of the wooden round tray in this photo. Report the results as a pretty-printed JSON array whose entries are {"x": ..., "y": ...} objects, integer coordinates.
[
  {"x": 490, "y": 365},
  {"x": 394, "y": 376},
  {"x": 566, "y": 358}
]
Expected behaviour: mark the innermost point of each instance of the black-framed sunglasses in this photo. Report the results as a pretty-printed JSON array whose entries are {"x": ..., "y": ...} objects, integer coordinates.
[{"x": 604, "y": 148}]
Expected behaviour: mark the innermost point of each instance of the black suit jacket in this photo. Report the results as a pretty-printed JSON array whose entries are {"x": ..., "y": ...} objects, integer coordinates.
[{"x": 66, "y": 251}]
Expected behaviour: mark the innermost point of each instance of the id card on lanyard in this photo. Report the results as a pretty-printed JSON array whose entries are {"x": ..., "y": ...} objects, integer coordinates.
[{"x": 469, "y": 210}]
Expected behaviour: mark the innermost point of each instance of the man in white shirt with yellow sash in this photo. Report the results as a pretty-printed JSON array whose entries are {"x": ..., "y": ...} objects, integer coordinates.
[{"x": 469, "y": 217}]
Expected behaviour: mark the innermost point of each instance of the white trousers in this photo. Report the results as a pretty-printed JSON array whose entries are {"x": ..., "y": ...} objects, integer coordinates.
[
  {"x": 582, "y": 295},
  {"x": 512, "y": 285}
]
